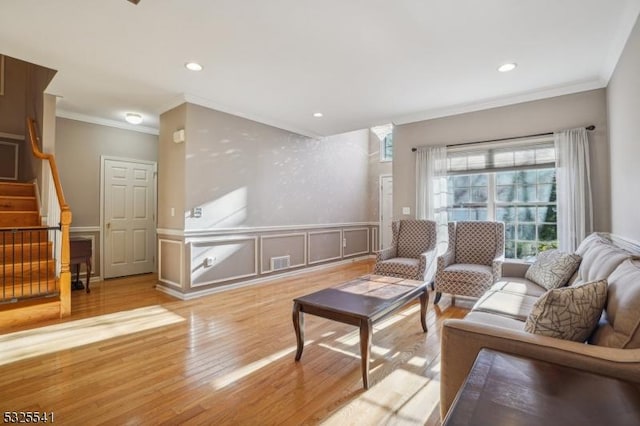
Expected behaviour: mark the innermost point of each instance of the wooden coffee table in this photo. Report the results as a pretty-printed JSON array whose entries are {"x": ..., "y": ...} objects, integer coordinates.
[{"x": 360, "y": 302}]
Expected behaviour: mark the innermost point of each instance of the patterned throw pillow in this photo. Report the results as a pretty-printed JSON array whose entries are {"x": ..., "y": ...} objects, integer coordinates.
[
  {"x": 569, "y": 313},
  {"x": 553, "y": 268}
]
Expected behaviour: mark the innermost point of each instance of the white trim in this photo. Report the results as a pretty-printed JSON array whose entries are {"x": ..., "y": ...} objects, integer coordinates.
[
  {"x": 104, "y": 158},
  {"x": 105, "y": 122},
  {"x": 43, "y": 217},
  {"x": 16, "y": 157},
  {"x": 360, "y": 252},
  {"x": 1, "y": 75},
  {"x": 340, "y": 244},
  {"x": 375, "y": 239},
  {"x": 220, "y": 240},
  {"x": 251, "y": 229},
  {"x": 503, "y": 101},
  {"x": 84, "y": 229},
  {"x": 296, "y": 234},
  {"x": 261, "y": 280},
  {"x": 164, "y": 280},
  {"x": 12, "y": 136},
  {"x": 380, "y": 206}
]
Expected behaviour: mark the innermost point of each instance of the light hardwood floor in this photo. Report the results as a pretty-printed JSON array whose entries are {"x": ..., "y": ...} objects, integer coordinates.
[{"x": 227, "y": 358}]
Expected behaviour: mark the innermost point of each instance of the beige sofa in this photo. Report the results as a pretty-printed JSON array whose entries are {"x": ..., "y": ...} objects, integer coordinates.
[{"x": 498, "y": 318}]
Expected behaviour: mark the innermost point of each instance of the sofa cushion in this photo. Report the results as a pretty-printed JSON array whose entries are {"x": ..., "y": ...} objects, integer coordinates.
[
  {"x": 519, "y": 286},
  {"x": 398, "y": 266},
  {"x": 569, "y": 313},
  {"x": 511, "y": 305},
  {"x": 621, "y": 325},
  {"x": 599, "y": 261},
  {"x": 495, "y": 320},
  {"x": 553, "y": 268},
  {"x": 589, "y": 241}
]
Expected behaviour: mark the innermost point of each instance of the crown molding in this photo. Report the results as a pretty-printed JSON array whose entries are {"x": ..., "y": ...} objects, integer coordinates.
[
  {"x": 503, "y": 101},
  {"x": 105, "y": 122}
]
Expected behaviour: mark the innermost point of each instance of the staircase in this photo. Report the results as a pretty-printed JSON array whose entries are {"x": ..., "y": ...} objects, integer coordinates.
[{"x": 28, "y": 287}]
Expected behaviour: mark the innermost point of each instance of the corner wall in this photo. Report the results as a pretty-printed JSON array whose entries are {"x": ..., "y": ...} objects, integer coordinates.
[{"x": 623, "y": 107}]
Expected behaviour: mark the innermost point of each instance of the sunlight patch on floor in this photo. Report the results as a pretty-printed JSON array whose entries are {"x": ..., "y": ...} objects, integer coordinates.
[
  {"x": 394, "y": 400},
  {"x": 246, "y": 370},
  {"x": 53, "y": 338}
]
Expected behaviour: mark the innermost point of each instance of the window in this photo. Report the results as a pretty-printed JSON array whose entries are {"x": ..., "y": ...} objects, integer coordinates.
[
  {"x": 515, "y": 184},
  {"x": 385, "y": 134}
]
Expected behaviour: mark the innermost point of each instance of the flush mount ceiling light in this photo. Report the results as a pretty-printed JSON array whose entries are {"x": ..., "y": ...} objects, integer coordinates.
[
  {"x": 510, "y": 66},
  {"x": 193, "y": 66},
  {"x": 317, "y": 114},
  {"x": 133, "y": 118}
]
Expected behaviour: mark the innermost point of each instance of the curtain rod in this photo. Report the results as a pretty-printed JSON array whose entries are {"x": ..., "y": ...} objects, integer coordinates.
[{"x": 591, "y": 127}]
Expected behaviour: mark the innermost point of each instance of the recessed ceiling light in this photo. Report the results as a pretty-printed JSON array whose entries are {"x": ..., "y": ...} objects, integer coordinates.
[
  {"x": 507, "y": 67},
  {"x": 193, "y": 66},
  {"x": 317, "y": 114},
  {"x": 133, "y": 118}
]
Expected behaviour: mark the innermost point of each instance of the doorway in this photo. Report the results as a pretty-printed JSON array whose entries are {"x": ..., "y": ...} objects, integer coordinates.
[
  {"x": 127, "y": 217},
  {"x": 386, "y": 210}
]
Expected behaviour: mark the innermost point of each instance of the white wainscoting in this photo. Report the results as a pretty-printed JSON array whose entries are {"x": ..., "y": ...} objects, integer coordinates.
[
  {"x": 212, "y": 243},
  {"x": 161, "y": 268},
  {"x": 302, "y": 235},
  {"x": 345, "y": 232}
]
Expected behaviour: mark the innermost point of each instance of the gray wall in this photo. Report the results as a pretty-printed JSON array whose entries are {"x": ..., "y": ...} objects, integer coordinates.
[
  {"x": 546, "y": 115},
  {"x": 79, "y": 146},
  {"x": 244, "y": 173},
  {"x": 171, "y": 172},
  {"x": 623, "y": 101}
]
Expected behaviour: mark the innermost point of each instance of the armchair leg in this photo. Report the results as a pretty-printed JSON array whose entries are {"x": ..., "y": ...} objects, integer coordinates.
[
  {"x": 433, "y": 285},
  {"x": 437, "y": 299}
]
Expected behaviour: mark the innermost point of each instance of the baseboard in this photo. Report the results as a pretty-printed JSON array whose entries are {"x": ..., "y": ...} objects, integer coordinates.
[{"x": 256, "y": 281}]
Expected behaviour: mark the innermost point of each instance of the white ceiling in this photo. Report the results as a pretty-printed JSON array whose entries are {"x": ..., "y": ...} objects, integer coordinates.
[{"x": 360, "y": 62}]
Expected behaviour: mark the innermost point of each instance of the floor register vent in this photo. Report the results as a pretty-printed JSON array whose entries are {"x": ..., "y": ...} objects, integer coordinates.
[{"x": 280, "y": 262}]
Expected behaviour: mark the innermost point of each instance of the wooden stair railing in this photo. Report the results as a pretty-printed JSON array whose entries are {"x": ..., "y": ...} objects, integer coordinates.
[{"x": 65, "y": 219}]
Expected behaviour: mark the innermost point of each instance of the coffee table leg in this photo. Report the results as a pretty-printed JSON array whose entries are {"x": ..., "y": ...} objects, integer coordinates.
[
  {"x": 365, "y": 350},
  {"x": 424, "y": 300},
  {"x": 298, "y": 325}
]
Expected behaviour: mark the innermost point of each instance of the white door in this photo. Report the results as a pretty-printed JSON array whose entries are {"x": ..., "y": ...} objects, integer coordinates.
[
  {"x": 386, "y": 210},
  {"x": 129, "y": 219}
]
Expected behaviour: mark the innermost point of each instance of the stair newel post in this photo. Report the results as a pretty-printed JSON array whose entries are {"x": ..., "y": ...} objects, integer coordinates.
[{"x": 65, "y": 258}]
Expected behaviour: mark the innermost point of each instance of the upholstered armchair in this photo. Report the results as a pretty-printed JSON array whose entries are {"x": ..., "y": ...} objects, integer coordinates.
[
  {"x": 412, "y": 252},
  {"x": 473, "y": 260}
]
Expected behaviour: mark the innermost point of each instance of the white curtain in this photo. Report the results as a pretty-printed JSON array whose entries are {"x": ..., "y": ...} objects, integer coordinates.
[
  {"x": 431, "y": 187},
  {"x": 573, "y": 187}
]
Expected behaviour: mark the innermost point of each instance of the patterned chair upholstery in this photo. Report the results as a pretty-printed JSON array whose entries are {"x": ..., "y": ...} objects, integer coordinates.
[
  {"x": 412, "y": 252},
  {"x": 473, "y": 260}
]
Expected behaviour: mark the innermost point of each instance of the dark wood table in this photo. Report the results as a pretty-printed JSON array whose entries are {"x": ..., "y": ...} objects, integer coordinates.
[
  {"x": 504, "y": 389},
  {"x": 80, "y": 252},
  {"x": 360, "y": 302}
]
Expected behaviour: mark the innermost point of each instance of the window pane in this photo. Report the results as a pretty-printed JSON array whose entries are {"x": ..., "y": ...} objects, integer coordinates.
[
  {"x": 547, "y": 233},
  {"x": 526, "y": 249},
  {"x": 529, "y": 177},
  {"x": 506, "y": 193},
  {"x": 545, "y": 192},
  {"x": 547, "y": 214},
  {"x": 527, "y": 232},
  {"x": 506, "y": 178},
  {"x": 509, "y": 231},
  {"x": 505, "y": 214},
  {"x": 459, "y": 214},
  {"x": 461, "y": 196},
  {"x": 479, "y": 195},
  {"x": 546, "y": 175},
  {"x": 526, "y": 214},
  {"x": 527, "y": 193},
  {"x": 478, "y": 213},
  {"x": 479, "y": 180},
  {"x": 510, "y": 249},
  {"x": 461, "y": 181}
]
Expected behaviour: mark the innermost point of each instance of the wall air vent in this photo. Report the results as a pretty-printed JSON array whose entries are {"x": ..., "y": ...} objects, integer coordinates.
[{"x": 280, "y": 262}]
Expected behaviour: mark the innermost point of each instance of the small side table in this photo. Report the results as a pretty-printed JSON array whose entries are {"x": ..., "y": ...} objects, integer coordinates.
[
  {"x": 503, "y": 389},
  {"x": 80, "y": 253}
]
